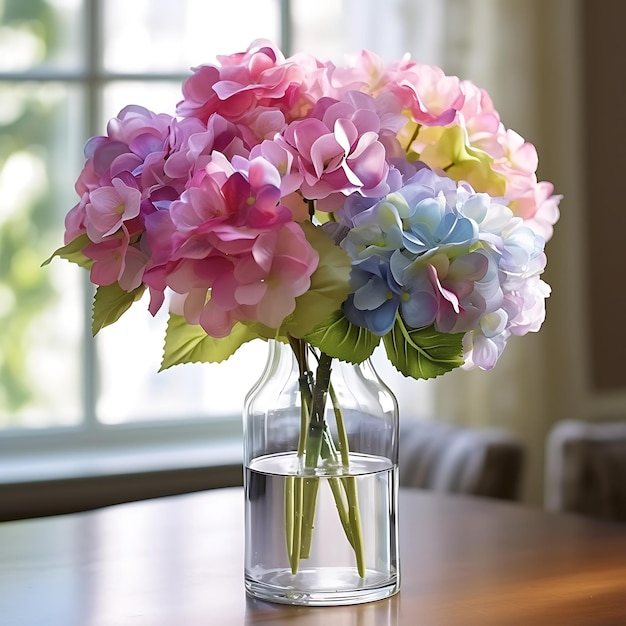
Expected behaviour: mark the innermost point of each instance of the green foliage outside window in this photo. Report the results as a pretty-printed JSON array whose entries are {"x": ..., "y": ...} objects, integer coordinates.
[{"x": 33, "y": 136}]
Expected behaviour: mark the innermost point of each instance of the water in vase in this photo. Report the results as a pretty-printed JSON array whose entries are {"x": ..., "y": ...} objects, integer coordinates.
[{"x": 327, "y": 570}]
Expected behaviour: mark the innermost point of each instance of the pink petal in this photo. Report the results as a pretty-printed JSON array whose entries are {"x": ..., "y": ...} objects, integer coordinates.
[
  {"x": 326, "y": 154},
  {"x": 370, "y": 167},
  {"x": 190, "y": 304},
  {"x": 448, "y": 295},
  {"x": 250, "y": 294},
  {"x": 216, "y": 321},
  {"x": 135, "y": 262},
  {"x": 345, "y": 134}
]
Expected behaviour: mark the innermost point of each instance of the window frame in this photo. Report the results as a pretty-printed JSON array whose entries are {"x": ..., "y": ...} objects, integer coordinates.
[{"x": 43, "y": 456}]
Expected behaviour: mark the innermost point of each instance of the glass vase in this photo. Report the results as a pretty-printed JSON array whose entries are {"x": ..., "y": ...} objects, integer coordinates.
[{"x": 321, "y": 481}]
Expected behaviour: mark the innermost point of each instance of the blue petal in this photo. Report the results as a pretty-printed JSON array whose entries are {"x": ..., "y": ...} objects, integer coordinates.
[
  {"x": 420, "y": 309},
  {"x": 371, "y": 295}
]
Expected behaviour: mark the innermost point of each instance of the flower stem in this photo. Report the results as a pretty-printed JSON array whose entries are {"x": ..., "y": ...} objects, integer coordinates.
[
  {"x": 317, "y": 423},
  {"x": 416, "y": 132},
  {"x": 290, "y": 515},
  {"x": 294, "y": 521},
  {"x": 309, "y": 499},
  {"x": 354, "y": 515},
  {"x": 341, "y": 428},
  {"x": 316, "y": 444},
  {"x": 350, "y": 485}
]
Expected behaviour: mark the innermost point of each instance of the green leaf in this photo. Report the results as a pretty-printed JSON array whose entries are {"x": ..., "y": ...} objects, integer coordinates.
[
  {"x": 329, "y": 284},
  {"x": 424, "y": 352},
  {"x": 189, "y": 343},
  {"x": 110, "y": 303},
  {"x": 339, "y": 338},
  {"x": 73, "y": 252}
]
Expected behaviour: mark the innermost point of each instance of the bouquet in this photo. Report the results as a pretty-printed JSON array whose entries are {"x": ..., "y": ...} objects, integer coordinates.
[{"x": 331, "y": 208}]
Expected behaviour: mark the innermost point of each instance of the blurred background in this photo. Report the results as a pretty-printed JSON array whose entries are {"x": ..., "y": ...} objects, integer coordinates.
[{"x": 552, "y": 68}]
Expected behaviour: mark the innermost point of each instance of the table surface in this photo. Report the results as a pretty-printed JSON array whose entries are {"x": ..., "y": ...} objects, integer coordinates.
[{"x": 177, "y": 561}]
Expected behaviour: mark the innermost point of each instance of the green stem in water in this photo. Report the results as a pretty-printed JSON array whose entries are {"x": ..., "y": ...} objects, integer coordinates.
[
  {"x": 290, "y": 515},
  {"x": 301, "y": 491},
  {"x": 350, "y": 485},
  {"x": 309, "y": 500},
  {"x": 341, "y": 428},
  {"x": 314, "y": 434},
  {"x": 339, "y": 495},
  {"x": 294, "y": 554},
  {"x": 315, "y": 444}
]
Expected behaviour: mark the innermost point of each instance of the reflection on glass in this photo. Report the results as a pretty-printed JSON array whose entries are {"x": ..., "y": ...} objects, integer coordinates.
[
  {"x": 182, "y": 34},
  {"x": 40, "y": 309},
  {"x": 40, "y": 33}
]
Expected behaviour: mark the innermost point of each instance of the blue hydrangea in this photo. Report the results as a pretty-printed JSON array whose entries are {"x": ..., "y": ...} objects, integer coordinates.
[{"x": 438, "y": 253}]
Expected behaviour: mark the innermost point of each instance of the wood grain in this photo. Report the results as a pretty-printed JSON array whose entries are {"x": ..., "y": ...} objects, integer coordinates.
[{"x": 179, "y": 560}]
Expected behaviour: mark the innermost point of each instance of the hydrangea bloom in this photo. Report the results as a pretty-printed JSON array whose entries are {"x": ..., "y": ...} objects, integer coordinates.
[
  {"x": 289, "y": 192},
  {"x": 258, "y": 77},
  {"x": 339, "y": 151},
  {"x": 437, "y": 253},
  {"x": 231, "y": 248}
]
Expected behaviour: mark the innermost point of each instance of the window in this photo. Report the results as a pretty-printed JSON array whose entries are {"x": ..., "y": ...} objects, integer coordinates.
[{"x": 66, "y": 68}]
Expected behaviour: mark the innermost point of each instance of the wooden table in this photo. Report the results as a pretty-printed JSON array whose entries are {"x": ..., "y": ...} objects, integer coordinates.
[{"x": 177, "y": 561}]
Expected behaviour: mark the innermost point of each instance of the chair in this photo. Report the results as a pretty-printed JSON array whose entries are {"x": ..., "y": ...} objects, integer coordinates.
[
  {"x": 586, "y": 469},
  {"x": 440, "y": 456}
]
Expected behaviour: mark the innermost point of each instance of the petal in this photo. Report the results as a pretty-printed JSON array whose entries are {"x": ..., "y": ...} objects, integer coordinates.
[
  {"x": 493, "y": 324},
  {"x": 373, "y": 294},
  {"x": 381, "y": 320},
  {"x": 326, "y": 154},
  {"x": 217, "y": 322},
  {"x": 420, "y": 309},
  {"x": 371, "y": 166},
  {"x": 345, "y": 134},
  {"x": 251, "y": 294}
]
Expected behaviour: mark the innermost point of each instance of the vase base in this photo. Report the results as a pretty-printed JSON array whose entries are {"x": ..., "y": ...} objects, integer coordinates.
[{"x": 322, "y": 587}]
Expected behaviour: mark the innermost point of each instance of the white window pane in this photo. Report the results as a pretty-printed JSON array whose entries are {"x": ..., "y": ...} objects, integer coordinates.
[
  {"x": 158, "y": 96},
  {"x": 318, "y": 28},
  {"x": 146, "y": 36},
  {"x": 41, "y": 309},
  {"x": 132, "y": 389}
]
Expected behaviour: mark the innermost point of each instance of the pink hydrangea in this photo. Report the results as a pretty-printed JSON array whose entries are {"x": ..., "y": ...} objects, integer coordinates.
[
  {"x": 432, "y": 97},
  {"x": 338, "y": 149},
  {"x": 230, "y": 248},
  {"x": 513, "y": 158},
  {"x": 123, "y": 181},
  {"x": 241, "y": 83},
  {"x": 110, "y": 206},
  {"x": 528, "y": 198},
  {"x": 115, "y": 261}
]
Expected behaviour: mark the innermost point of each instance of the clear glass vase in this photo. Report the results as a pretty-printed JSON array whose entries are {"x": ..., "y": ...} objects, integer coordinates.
[{"x": 321, "y": 481}]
